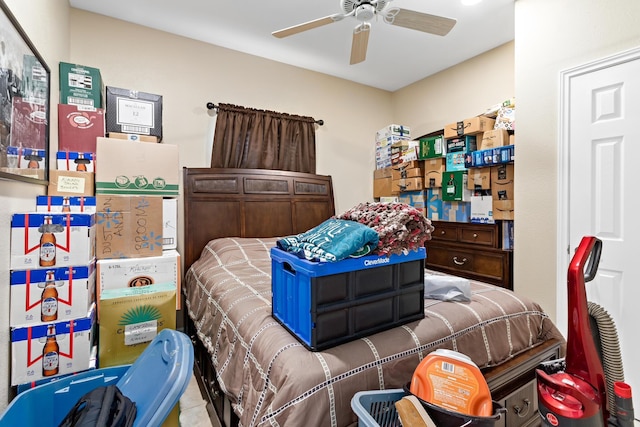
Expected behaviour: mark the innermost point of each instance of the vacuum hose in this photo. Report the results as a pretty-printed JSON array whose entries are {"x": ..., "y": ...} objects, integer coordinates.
[{"x": 606, "y": 339}]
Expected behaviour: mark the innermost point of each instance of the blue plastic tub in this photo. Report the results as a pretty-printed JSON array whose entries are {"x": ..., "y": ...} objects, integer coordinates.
[
  {"x": 47, "y": 404},
  {"x": 155, "y": 382}
]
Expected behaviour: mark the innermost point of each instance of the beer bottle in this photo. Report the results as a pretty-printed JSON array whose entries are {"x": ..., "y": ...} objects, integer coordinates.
[
  {"x": 81, "y": 163},
  {"x": 50, "y": 353},
  {"x": 34, "y": 161},
  {"x": 66, "y": 206},
  {"x": 49, "y": 300},
  {"x": 47, "y": 244}
]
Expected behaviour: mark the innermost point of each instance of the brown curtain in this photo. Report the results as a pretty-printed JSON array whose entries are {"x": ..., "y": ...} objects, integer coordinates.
[{"x": 258, "y": 139}]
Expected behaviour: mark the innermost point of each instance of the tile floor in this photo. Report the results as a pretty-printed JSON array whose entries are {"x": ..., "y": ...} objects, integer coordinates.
[{"x": 193, "y": 408}]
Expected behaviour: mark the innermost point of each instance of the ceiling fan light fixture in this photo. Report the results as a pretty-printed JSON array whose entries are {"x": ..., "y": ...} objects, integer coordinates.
[{"x": 365, "y": 12}]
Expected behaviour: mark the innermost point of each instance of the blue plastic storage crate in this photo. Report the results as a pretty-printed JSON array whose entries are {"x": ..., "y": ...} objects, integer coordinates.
[
  {"x": 324, "y": 304},
  {"x": 155, "y": 382}
]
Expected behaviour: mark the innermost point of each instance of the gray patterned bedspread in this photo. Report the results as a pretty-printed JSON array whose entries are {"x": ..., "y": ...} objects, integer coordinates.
[{"x": 271, "y": 379}]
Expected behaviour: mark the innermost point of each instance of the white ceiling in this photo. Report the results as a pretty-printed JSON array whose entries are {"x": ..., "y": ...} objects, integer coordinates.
[{"x": 396, "y": 56}]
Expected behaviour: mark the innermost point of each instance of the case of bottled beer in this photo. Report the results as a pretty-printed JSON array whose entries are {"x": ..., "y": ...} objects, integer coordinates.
[
  {"x": 51, "y": 295},
  {"x": 82, "y": 204},
  {"x": 75, "y": 161},
  {"x": 45, "y": 350},
  {"x": 51, "y": 240}
]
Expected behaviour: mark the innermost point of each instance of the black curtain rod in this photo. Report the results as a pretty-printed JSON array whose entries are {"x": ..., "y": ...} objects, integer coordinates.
[{"x": 212, "y": 106}]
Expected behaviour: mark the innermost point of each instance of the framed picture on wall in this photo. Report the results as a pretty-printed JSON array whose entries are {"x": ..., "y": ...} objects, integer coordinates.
[{"x": 24, "y": 105}]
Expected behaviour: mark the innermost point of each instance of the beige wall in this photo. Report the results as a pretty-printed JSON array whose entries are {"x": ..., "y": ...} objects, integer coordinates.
[
  {"x": 465, "y": 90},
  {"x": 46, "y": 22},
  {"x": 188, "y": 74},
  {"x": 552, "y": 36}
]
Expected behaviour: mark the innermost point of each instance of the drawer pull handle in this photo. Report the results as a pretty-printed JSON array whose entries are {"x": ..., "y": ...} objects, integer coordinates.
[
  {"x": 522, "y": 412},
  {"x": 475, "y": 235},
  {"x": 455, "y": 260},
  {"x": 442, "y": 233}
]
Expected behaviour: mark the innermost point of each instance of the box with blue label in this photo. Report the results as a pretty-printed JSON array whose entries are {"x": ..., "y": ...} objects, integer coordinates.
[
  {"x": 415, "y": 199},
  {"x": 50, "y": 240},
  {"x": 324, "y": 304},
  {"x": 51, "y": 295},
  {"x": 490, "y": 157},
  {"x": 26, "y": 158},
  {"x": 482, "y": 209},
  {"x": 456, "y": 211},
  {"x": 462, "y": 144},
  {"x": 83, "y": 204},
  {"x": 47, "y": 350},
  {"x": 456, "y": 161},
  {"x": 75, "y": 161},
  {"x": 433, "y": 209}
]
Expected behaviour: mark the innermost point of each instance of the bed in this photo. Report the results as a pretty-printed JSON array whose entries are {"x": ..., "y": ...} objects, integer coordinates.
[{"x": 256, "y": 373}]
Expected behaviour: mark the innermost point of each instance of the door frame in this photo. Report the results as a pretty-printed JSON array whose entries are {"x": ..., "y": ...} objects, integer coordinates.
[{"x": 563, "y": 250}]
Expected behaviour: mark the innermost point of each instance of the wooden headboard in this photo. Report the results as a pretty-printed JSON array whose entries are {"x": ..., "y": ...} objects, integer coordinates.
[{"x": 250, "y": 203}]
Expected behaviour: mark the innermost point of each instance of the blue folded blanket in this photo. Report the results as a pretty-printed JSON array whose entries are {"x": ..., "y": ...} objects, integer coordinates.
[{"x": 333, "y": 240}]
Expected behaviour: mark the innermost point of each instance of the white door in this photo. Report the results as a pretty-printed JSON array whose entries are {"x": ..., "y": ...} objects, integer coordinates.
[{"x": 601, "y": 195}]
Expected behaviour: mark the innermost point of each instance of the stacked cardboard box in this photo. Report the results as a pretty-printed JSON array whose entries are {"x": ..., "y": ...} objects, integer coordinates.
[
  {"x": 463, "y": 173},
  {"x": 52, "y": 296},
  {"x": 389, "y": 142},
  {"x": 136, "y": 205},
  {"x": 133, "y": 115}
]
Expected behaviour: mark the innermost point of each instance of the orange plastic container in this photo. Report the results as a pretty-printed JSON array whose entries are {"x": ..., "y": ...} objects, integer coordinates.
[{"x": 451, "y": 380}]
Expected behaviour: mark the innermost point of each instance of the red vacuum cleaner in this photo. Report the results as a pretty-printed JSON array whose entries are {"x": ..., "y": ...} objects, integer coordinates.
[{"x": 586, "y": 388}]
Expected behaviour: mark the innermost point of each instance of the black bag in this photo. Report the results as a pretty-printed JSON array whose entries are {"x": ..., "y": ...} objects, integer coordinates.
[{"x": 104, "y": 406}]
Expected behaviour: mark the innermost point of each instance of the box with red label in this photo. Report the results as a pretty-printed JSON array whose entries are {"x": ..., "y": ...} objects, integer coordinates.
[
  {"x": 78, "y": 127},
  {"x": 49, "y": 240},
  {"x": 75, "y": 161},
  {"x": 86, "y": 204},
  {"x": 51, "y": 295},
  {"x": 51, "y": 349}
]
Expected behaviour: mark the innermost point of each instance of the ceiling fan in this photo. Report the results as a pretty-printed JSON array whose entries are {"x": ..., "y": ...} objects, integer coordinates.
[{"x": 364, "y": 11}]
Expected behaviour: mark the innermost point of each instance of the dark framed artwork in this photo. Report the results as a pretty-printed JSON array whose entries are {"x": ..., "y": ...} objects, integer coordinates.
[{"x": 24, "y": 105}]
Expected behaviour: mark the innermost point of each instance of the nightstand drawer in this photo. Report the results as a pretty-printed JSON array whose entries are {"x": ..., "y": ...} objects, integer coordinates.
[
  {"x": 521, "y": 405},
  {"x": 483, "y": 264},
  {"x": 486, "y": 235},
  {"x": 479, "y": 235},
  {"x": 445, "y": 231}
]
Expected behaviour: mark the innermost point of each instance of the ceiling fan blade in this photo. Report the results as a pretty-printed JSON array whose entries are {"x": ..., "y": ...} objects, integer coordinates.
[
  {"x": 438, "y": 25},
  {"x": 285, "y": 32},
  {"x": 359, "y": 43}
]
